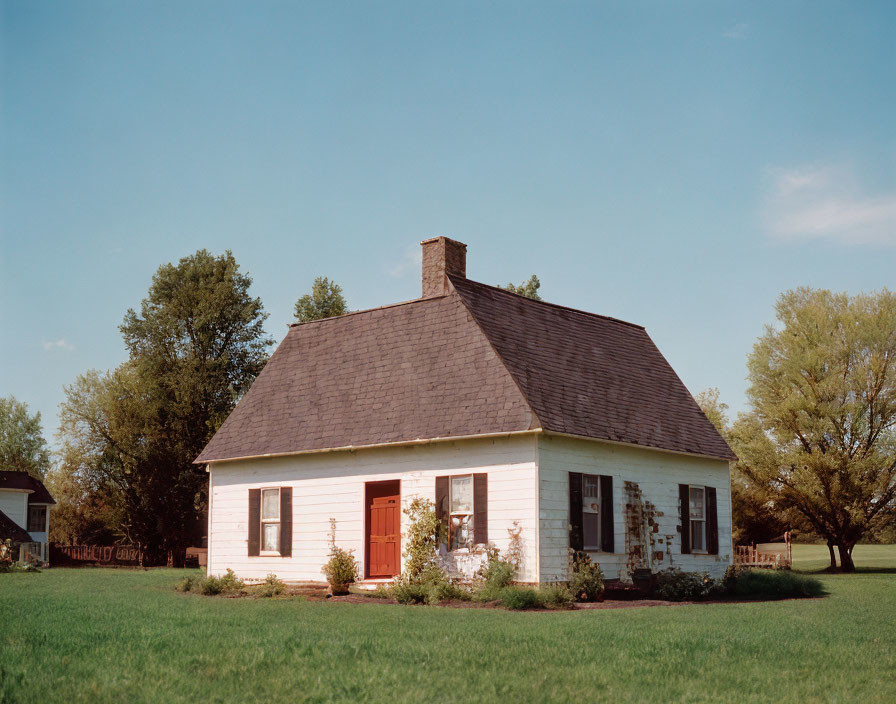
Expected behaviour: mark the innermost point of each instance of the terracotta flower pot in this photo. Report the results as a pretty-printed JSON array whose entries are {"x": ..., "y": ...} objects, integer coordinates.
[{"x": 339, "y": 589}]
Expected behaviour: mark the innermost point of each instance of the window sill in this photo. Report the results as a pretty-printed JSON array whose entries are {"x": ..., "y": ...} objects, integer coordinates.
[{"x": 269, "y": 553}]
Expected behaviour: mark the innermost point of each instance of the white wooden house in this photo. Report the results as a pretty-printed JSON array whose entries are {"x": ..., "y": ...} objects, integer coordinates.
[
  {"x": 514, "y": 416},
  {"x": 25, "y": 515}
]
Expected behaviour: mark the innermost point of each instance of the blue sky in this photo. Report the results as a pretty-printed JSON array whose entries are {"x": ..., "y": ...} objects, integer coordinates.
[{"x": 673, "y": 164}]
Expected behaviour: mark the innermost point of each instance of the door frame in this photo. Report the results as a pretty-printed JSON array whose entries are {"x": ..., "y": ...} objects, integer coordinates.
[{"x": 383, "y": 486}]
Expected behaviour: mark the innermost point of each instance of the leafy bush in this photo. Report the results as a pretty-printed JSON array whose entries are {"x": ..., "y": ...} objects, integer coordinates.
[
  {"x": 556, "y": 596},
  {"x": 517, "y": 598},
  {"x": 422, "y": 539},
  {"x": 586, "y": 579},
  {"x": 774, "y": 584},
  {"x": 7, "y": 567},
  {"x": 341, "y": 569},
  {"x": 186, "y": 584},
  {"x": 447, "y": 591},
  {"x": 381, "y": 592},
  {"x": 408, "y": 592},
  {"x": 674, "y": 585},
  {"x": 270, "y": 587},
  {"x": 211, "y": 586},
  {"x": 497, "y": 573}
]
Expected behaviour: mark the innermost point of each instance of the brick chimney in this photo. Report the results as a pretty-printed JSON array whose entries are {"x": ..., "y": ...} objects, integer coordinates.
[{"x": 442, "y": 256}]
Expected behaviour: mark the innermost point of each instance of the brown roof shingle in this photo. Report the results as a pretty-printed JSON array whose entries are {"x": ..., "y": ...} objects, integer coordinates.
[
  {"x": 590, "y": 375},
  {"x": 411, "y": 371},
  {"x": 477, "y": 361}
]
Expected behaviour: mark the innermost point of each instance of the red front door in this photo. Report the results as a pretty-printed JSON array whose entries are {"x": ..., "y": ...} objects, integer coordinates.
[{"x": 383, "y": 528}]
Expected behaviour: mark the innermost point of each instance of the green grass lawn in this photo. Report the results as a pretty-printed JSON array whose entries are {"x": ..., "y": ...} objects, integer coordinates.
[{"x": 126, "y": 636}]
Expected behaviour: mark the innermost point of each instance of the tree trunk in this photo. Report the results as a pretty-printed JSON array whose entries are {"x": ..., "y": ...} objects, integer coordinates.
[
  {"x": 846, "y": 563},
  {"x": 833, "y": 567}
]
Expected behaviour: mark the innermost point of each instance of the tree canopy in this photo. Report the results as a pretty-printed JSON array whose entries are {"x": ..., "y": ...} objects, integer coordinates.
[
  {"x": 753, "y": 518},
  {"x": 529, "y": 288},
  {"x": 820, "y": 440},
  {"x": 324, "y": 301},
  {"x": 22, "y": 444},
  {"x": 131, "y": 435}
]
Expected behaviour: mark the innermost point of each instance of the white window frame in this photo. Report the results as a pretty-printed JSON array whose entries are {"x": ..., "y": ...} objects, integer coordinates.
[
  {"x": 592, "y": 507},
  {"x": 461, "y": 516},
  {"x": 691, "y": 521},
  {"x": 269, "y": 521}
]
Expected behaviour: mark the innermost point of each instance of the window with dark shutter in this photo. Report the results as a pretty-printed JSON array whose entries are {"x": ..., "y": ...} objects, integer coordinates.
[
  {"x": 576, "y": 529},
  {"x": 254, "y": 522},
  {"x": 591, "y": 512},
  {"x": 462, "y": 508}
]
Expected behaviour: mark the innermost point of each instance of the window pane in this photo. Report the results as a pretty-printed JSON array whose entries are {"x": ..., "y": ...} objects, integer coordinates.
[
  {"x": 270, "y": 504},
  {"x": 271, "y": 537},
  {"x": 37, "y": 519},
  {"x": 697, "y": 503},
  {"x": 462, "y": 494},
  {"x": 697, "y": 542},
  {"x": 592, "y": 539},
  {"x": 460, "y": 532},
  {"x": 590, "y": 486}
]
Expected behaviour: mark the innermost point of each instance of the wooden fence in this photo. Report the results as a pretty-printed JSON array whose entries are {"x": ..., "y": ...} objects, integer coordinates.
[
  {"x": 94, "y": 555},
  {"x": 771, "y": 555}
]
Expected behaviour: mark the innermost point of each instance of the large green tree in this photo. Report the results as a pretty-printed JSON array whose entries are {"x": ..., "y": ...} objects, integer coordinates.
[
  {"x": 22, "y": 444},
  {"x": 324, "y": 301},
  {"x": 820, "y": 441},
  {"x": 529, "y": 288},
  {"x": 754, "y": 519},
  {"x": 195, "y": 346}
]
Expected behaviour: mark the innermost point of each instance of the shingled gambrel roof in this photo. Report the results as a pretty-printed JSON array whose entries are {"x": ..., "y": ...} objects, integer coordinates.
[
  {"x": 417, "y": 370},
  {"x": 591, "y": 375},
  {"x": 477, "y": 361}
]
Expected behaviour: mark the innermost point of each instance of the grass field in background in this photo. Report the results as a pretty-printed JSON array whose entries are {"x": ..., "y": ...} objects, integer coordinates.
[{"x": 107, "y": 635}]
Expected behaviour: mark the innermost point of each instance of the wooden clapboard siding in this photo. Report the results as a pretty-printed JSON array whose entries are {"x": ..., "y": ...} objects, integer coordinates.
[
  {"x": 657, "y": 473},
  {"x": 332, "y": 485},
  {"x": 15, "y": 505}
]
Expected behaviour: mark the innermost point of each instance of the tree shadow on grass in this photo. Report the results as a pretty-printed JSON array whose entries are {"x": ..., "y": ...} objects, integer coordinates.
[{"x": 859, "y": 570}]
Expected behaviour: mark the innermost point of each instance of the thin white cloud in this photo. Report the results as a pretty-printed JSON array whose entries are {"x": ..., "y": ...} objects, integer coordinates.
[
  {"x": 410, "y": 261},
  {"x": 60, "y": 344},
  {"x": 827, "y": 203},
  {"x": 736, "y": 31}
]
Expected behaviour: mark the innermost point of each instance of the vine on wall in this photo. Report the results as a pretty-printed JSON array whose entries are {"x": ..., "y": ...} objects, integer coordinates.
[{"x": 644, "y": 546}]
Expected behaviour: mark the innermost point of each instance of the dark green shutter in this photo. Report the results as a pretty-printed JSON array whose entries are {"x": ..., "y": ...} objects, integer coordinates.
[
  {"x": 286, "y": 521},
  {"x": 684, "y": 498},
  {"x": 576, "y": 529},
  {"x": 254, "y": 522},
  {"x": 480, "y": 508},
  {"x": 712, "y": 522},
  {"x": 607, "y": 541}
]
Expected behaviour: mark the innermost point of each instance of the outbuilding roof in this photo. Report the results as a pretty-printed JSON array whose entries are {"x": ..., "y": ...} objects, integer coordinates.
[
  {"x": 475, "y": 361},
  {"x": 25, "y": 482}
]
